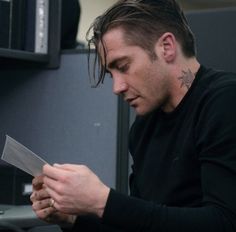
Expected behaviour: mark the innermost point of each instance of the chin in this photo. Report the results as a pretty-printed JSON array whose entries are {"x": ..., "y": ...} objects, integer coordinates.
[{"x": 142, "y": 112}]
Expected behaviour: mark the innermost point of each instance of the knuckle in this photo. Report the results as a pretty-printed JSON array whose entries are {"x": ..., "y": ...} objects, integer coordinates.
[
  {"x": 39, "y": 195},
  {"x": 42, "y": 194},
  {"x": 32, "y": 197},
  {"x": 35, "y": 196},
  {"x": 34, "y": 206},
  {"x": 59, "y": 189},
  {"x": 63, "y": 179},
  {"x": 37, "y": 183},
  {"x": 42, "y": 214},
  {"x": 83, "y": 169}
]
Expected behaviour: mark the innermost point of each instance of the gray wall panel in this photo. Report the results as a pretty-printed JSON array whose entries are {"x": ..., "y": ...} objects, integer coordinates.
[
  {"x": 215, "y": 36},
  {"x": 58, "y": 115}
]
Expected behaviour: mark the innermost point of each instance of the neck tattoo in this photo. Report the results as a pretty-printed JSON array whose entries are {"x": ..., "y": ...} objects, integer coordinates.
[{"x": 186, "y": 79}]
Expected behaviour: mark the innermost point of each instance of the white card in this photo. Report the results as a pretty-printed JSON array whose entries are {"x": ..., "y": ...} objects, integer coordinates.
[{"x": 21, "y": 157}]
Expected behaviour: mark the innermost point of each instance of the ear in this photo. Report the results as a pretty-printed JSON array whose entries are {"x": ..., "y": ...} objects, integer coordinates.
[{"x": 167, "y": 43}]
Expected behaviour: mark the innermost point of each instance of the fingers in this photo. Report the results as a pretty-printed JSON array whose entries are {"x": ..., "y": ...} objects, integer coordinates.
[
  {"x": 53, "y": 172},
  {"x": 43, "y": 192},
  {"x": 42, "y": 204},
  {"x": 54, "y": 177},
  {"x": 62, "y": 171},
  {"x": 68, "y": 167},
  {"x": 43, "y": 209},
  {"x": 37, "y": 182},
  {"x": 39, "y": 195}
]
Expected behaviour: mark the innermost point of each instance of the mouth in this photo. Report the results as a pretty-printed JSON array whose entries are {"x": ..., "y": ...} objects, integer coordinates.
[{"x": 131, "y": 101}]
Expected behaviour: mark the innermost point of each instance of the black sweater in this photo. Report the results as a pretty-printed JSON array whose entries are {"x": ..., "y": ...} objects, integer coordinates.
[{"x": 184, "y": 170}]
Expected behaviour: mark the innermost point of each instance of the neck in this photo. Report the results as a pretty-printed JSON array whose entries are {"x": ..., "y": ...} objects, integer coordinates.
[
  {"x": 184, "y": 75},
  {"x": 187, "y": 74}
]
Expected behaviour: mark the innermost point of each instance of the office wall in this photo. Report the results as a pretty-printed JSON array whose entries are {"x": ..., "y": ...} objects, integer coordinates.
[
  {"x": 59, "y": 116},
  {"x": 90, "y": 9},
  {"x": 215, "y": 37}
]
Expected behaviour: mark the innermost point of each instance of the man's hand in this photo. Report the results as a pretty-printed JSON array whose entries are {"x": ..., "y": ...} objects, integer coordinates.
[
  {"x": 75, "y": 189},
  {"x": 42, "y": 205}
]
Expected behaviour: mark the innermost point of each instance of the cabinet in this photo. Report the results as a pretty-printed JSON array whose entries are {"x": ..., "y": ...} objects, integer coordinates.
[{"x": 10, "y": 57}]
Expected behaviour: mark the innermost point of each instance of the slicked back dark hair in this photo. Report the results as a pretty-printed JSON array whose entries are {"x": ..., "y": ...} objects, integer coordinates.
[{"x": 143, "y": 23}]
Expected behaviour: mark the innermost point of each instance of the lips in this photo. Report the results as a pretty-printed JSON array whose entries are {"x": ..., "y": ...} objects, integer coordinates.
[{"x": 131, "y": 100}]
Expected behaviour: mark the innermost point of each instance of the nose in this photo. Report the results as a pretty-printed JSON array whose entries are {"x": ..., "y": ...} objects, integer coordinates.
[{"x": 119, "y": 85}]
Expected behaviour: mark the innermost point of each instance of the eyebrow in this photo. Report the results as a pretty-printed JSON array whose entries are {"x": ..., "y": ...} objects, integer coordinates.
[{"x": 114, "y": 63}]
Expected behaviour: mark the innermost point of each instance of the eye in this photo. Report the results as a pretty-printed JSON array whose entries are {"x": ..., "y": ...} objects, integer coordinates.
[{"x": 123, "y": 68}]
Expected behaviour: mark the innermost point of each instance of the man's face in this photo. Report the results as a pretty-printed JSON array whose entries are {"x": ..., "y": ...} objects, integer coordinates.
[{"x": 141, "y": 81}]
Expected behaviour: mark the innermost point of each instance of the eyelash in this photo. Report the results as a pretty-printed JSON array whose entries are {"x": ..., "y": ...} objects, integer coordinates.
[{"x": 123, "y": 68}]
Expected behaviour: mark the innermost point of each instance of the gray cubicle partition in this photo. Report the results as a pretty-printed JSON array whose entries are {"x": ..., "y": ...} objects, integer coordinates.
[
  {"x": 215, "y": 33},
  {"x": 59, "y": 116}
]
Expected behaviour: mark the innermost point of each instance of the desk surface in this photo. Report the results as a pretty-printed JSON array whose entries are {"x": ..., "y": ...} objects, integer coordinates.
[{"x": 21, "y": 216}]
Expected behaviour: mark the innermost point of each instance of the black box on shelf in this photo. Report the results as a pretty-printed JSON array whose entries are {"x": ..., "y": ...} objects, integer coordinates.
[
  {"x": 4, "y": 23},
  {"x": 16, "y": 186}
]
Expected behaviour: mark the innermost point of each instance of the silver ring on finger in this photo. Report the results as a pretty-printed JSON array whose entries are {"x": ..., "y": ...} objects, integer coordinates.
[{"x": 51, "y": 203}]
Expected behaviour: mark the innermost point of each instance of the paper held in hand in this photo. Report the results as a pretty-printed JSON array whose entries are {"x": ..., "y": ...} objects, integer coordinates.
[{"x": 21, "y": 157}]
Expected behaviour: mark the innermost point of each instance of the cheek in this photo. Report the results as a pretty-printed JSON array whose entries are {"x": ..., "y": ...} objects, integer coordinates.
[{"x": 155, "y": 93}]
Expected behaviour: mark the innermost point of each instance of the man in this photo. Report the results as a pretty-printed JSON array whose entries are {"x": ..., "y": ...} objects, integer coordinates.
[{"x": 183, "y": 141}]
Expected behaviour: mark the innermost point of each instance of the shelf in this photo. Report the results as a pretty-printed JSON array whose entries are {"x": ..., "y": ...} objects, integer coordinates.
[
  {"x": 13, "y": 58},
  {"x": 23, "y": 55}
]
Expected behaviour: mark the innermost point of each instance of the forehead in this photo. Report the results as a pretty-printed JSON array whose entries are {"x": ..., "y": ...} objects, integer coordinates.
[
  {"x": 113, "y": 45},
  {"x": 111, "y": 40}
]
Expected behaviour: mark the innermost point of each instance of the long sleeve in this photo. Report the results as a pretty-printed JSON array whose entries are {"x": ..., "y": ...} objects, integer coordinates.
[
  {"x": 133, "y": 214},
  {"x": 90, "y": 223}
]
